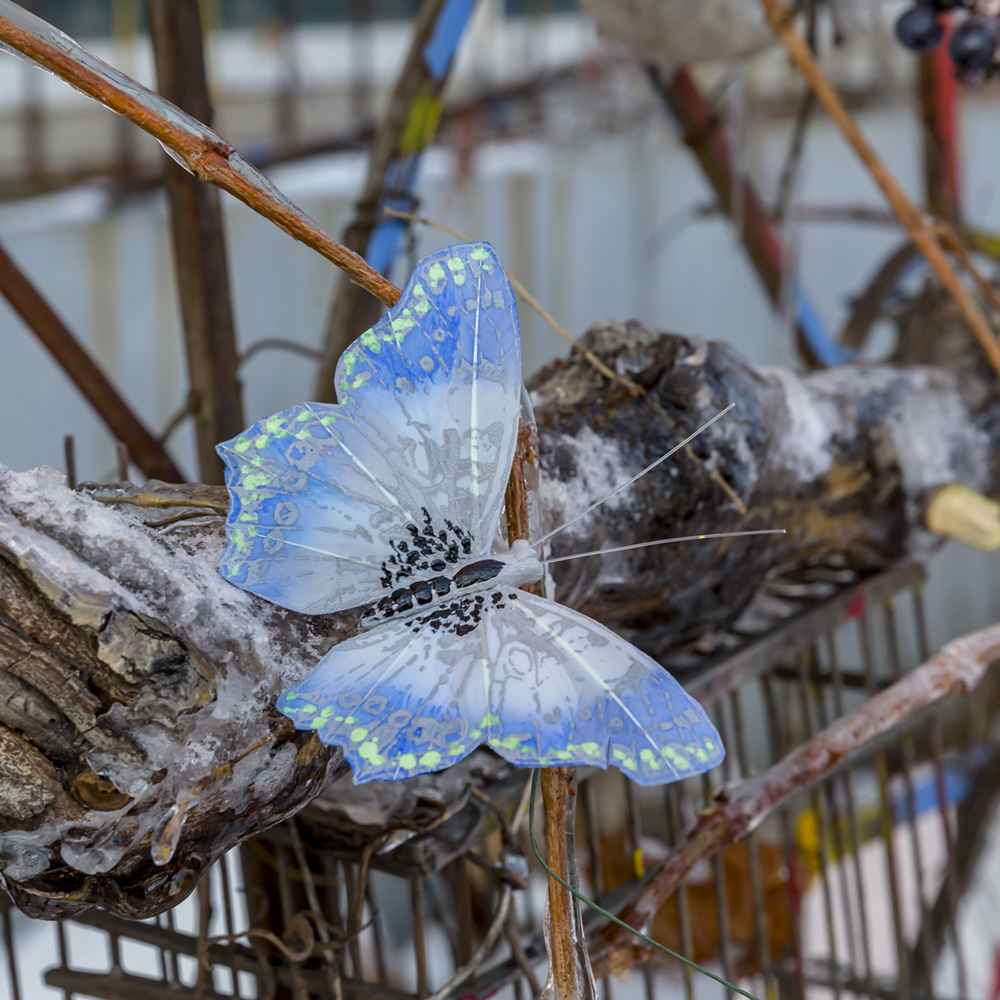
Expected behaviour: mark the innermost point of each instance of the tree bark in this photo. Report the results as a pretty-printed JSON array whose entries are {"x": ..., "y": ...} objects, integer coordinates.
[{"x": 138, "y": 734}]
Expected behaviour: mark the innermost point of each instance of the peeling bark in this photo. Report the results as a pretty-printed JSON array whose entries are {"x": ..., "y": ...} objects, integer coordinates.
[{"x": 137, "y": 688}]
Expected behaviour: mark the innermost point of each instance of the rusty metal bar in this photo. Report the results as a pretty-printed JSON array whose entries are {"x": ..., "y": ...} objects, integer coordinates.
[
  {"x": 822, "y": 825},
  {"x": 881, "y": 759},
  {"x": 7, "y": 917},
  {"x": 852, "y": 818},
  {"x": 597, "y": 882},
  {"x": 719, "y": 879},
  {"x": 419, "y": 937},
  {"x": 952, "y": 886},
  {"x": 909, "y": 765},
  {"x": 777, "y": 736},
  {"x": 838, "y": 815},
  {"x": 760, "y": 923},
  {"x": 681, "y": 900}
]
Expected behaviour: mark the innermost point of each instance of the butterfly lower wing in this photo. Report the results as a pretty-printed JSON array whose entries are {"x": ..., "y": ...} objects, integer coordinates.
[
  {"x": 566, "y": 690},
  {"x": 403, "y": 699},
  {"x": 539, "y": 683},
  {"x": 327, "y": 500}
]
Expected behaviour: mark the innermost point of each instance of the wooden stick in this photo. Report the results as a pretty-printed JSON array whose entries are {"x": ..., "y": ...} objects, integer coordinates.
[
  {"x": 198, "y": 148},
  {"x": 558, "y": 784},
  {"x": 957, "y": 668},
  {"x": 920, "y": 229}
]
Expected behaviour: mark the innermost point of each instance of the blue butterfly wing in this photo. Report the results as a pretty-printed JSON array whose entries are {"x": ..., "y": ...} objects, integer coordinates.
[
  {"x": 399, "y": 700},
  {"x": 567, "y": 690},
  {"x": 539, "y": 683},
  {"x": 325, "y": 500}
]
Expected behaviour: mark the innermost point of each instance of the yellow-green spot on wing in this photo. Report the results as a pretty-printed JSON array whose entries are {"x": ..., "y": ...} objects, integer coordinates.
[
  {"x": 407, "y": 761},
  {"x": 457, "y": 267},
  {"x": 357, "y": 735},
  {"x": 436, "y": 276},
  {"x": 431, "y": 759},
  {"x": 370, "y": 341},
  {"x": 369, "y": 751}
]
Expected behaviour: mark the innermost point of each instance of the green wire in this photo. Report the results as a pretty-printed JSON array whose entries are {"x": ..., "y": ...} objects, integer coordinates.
[{"x": 604, "y": 913}]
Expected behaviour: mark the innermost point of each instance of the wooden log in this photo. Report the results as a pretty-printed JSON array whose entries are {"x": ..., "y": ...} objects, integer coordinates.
[
  {"x": 137, "y": 688},
  {"x": 841, "y": 459}
]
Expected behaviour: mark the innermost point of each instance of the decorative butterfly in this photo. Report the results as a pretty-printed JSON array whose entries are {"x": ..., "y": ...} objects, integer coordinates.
[{"x": 392, "y": 499}]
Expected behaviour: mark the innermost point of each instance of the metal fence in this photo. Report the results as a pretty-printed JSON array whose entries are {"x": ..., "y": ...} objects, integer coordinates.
[{"x": 852, "y": 888}]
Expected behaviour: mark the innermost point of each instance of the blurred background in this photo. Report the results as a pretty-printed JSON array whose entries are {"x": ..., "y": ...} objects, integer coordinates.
[{"x": 556, "y": 145}]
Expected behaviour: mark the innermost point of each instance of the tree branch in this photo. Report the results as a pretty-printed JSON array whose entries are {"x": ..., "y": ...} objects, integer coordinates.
[
  {"x": 738, "y": 809},
  {"x": 205, "y": 154}
]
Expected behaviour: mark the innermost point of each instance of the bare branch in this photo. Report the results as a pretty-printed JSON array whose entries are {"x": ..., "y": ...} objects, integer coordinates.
[
  {"x": 738, "y": 809},
  {"x": 921, "y": 231},
  {"x": 200, "y": 150}
]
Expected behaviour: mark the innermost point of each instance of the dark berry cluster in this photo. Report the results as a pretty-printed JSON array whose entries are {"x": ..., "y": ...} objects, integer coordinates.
[{"x": 974, "y": 45}]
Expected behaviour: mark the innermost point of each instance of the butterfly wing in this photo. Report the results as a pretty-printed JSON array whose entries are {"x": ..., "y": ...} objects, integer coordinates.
[
  {"x": 332, "y": 504},
  {"x": 567, "y": 690},
  {"x": 539, "y": 683},
  {"x": 399, "y": 700}
]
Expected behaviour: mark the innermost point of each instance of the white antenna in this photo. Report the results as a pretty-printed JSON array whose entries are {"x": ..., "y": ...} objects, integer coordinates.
[
  {"x": 665, "y": 541},
  {"x": 639, "y": 475}
]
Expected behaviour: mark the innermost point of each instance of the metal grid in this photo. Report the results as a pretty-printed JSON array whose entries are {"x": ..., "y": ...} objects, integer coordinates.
[{"x": 852, "y": 887}]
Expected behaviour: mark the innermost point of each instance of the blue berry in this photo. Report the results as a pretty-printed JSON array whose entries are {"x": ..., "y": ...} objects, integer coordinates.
[
  {"x": 918, "y": 30},
  {"x": 972, "y": 48}
]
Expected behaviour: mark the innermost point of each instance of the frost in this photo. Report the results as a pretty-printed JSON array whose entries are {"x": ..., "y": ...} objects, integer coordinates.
[
  {"x": 804, "y": 446},
  {"x": 208, "y": 661}
]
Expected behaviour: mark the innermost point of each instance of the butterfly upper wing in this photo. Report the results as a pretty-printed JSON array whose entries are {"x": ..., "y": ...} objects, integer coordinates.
[
  {"x": 539, "y": 683},
  {"x": 326, "y": 500}
]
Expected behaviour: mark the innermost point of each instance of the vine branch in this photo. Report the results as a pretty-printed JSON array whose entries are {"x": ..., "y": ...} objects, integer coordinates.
[
  {"x": 738, "y": 809},
  {"x": 195, "y": 146}
]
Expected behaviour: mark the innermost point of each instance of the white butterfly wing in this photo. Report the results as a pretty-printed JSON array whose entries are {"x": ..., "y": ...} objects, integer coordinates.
[
  {"x": 539, "y": 683},
  {"x": 332, "y": 505}
]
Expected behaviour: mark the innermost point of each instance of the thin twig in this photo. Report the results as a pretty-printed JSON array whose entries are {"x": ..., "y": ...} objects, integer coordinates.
[
  {"x": 197, "y": 147},
  {"x": 738, "y": 809},
  {"x": 482, "y": 952},
  {"x": 921, "y": 231},
  {"x": 312, "y": 897},
  {"x": 558, "y": 783},
  {"x": 986, "y": 289},
  {"x": 633, "y": 388}
]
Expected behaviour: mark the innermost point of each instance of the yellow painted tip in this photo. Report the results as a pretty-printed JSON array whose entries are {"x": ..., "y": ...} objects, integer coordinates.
[{"x": 965, "y": 515}]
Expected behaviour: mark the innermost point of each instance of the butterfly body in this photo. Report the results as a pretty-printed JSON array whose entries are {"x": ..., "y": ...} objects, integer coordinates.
[
  {"x": 501, "y": 572},
  {"x": 391, "y": 500}
]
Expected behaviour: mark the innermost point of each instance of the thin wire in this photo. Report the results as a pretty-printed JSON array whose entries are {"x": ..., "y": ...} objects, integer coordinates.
[
  {"x": 604, "y": 913},
  {"x": 664, "y": 541},
  {"x": 638, "y": 475}
]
